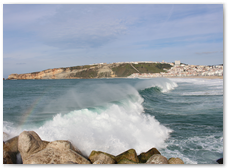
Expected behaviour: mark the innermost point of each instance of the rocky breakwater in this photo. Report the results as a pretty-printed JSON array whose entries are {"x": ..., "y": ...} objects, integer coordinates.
[{"x": 29, "y": 148}]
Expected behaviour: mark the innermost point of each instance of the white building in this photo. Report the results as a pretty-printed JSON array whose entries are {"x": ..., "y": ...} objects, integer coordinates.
[{"x": 177, "y": 62}]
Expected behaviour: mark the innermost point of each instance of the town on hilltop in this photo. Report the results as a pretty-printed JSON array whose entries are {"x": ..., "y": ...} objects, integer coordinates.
[{"x": 183, "y": 70}]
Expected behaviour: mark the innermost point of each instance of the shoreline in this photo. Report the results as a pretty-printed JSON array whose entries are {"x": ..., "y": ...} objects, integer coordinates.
[{"x": 204, "y": 77}]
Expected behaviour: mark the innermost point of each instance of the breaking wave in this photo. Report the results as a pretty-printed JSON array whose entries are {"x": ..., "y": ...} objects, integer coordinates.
[{"x": 106, "y": 117}]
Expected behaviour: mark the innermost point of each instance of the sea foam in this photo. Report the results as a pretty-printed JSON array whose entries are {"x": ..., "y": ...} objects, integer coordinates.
[
  {"x": 112, "y": 128},
  {"x": 106, "y": 117}
]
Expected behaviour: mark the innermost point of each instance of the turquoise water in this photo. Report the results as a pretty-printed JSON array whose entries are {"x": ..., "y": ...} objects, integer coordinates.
[{"x": 180, "y": 117}]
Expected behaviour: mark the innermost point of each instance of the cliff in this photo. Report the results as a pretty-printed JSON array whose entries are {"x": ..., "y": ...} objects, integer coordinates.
[{"x": 94, "y": 71}]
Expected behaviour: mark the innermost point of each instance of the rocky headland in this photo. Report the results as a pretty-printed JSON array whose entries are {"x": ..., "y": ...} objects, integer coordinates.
[
  {"x": 101, "y": 70},
  {"x": 29, "y": 148},
  {"x": 147, "y": 69}
]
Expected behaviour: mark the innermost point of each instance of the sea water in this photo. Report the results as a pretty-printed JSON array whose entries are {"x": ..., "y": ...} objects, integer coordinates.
[{"x": 180, "y": 117}]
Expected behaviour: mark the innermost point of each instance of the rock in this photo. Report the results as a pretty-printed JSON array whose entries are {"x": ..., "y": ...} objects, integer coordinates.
[
  {"x": 157, "y": 159},
  {"x": 7, "y": 158},
  {"x": 10, "y": 147},
  {"x": 29, "y": 143},
  {"x": 220, "y": 161},
  {"x": 104, "y": 159},
  {"x": 69, "y": 162},
  {"x": 129, "y": 154},
  {"x": 64, "y": 144},
  {"x": 143, "y": 157},
  {"x": 11, "y": 144},
  {"x": 56, "y": 152},
  {"x": 126, "y": 161},
  {"x": 94, "y": 155},
  {"x": 175, "y": 161}
]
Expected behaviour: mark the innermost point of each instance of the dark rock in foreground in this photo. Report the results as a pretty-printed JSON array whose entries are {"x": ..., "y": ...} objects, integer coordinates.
[
  {"x": 129, "y": 154},
  {"x": 143, "y": 157}
]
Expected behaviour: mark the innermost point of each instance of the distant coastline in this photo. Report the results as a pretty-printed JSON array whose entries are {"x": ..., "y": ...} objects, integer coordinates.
[{"x": 146, "y": 69}]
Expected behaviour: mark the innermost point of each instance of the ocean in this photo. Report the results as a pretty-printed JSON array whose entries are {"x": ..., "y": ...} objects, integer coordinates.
[{"x": 181, "y": 117}]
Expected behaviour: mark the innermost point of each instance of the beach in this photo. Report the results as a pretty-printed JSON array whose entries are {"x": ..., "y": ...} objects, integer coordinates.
[{"x": 203, "y": 77}]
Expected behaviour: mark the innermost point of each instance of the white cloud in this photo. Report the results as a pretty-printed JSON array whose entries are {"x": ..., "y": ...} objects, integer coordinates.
[{"x": 67, "y": 35}]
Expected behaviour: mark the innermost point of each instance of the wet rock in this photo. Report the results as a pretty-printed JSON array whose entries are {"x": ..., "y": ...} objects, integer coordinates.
[
  {"x": 175, "y": 161},
  {"x": 129, "y": 154},
  {"x": 94, "y": 155},
  {"x": 143, "y": 157},
  {"x": 104, "y": 159},
  {"x": 220, "y": 161},
  {"x": 56, "y": 152},
  {"x": 29, "y": 143},
  {"x": 157, "y": 159},
  {"x": 126, "y": 161}
]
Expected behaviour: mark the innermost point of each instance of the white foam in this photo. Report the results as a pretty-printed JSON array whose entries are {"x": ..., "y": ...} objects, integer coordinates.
[
  {"x": 114, "y": 129},
  {"x": 200, "y": 81},
  {"x": 211, "y": 86},
  {"x": 10, "y": 130},
  {"x": 109, "y": 118},
  {"x": 197, "y": 145}
]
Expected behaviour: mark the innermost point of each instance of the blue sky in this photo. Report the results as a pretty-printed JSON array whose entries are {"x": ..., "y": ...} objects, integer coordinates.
[{"x": 39, "y": 37}]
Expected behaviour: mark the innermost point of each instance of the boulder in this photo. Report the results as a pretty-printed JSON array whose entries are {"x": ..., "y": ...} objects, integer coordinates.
[
  {"x": 56, "y": 152},
  {"x": 10, "y": 147},
  {"x": 104, "y": 159},
  {"x": 29, "y": 143},
  {"x": 63, "y": 144},
  {"x": 7, "y": 159},
  {"x": 143, "y": 157},
  {"x": 175, "y": 161},
  {"x": 129, "y": 154},
  {"x": 157, "y": 159},
  {"x": 126, "y": 161},
  {"x": 94, "y": 155},
  {"x": 69, "y": 162}
]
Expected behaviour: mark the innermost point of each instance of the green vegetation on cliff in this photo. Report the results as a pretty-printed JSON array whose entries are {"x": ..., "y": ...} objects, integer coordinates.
[
  {"x": 102, "y": 70},
  {"x": 119, "y": 70},
  {"x": 124, "y": 70}
]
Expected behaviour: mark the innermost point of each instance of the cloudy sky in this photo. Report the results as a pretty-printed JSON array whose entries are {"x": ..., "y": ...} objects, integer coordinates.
[{"x": 42, "y": 36}]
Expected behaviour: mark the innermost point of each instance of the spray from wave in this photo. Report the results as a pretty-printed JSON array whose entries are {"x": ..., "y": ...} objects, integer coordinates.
[{"x": 105, "y": 117}]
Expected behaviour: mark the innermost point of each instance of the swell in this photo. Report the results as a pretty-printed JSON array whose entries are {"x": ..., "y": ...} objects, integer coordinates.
[
  {"x": 106, "y": 115},
  {"x": 102, "y": 116}
]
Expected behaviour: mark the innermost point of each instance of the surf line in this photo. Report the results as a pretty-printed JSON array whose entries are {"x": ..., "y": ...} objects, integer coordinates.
[{"x": 32, "y": 108}]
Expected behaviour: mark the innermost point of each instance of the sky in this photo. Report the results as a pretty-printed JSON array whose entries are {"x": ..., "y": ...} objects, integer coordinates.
[{"x": 37, "y": 37}]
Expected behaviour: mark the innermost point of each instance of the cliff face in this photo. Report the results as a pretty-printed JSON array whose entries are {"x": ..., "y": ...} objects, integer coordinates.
[
  {"x": 92, "y": 71},
  {"x": 46, "y": 74}
]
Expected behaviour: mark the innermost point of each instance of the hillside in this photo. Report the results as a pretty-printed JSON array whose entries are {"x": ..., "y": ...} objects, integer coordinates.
[{"x": 95, "y": 71}]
